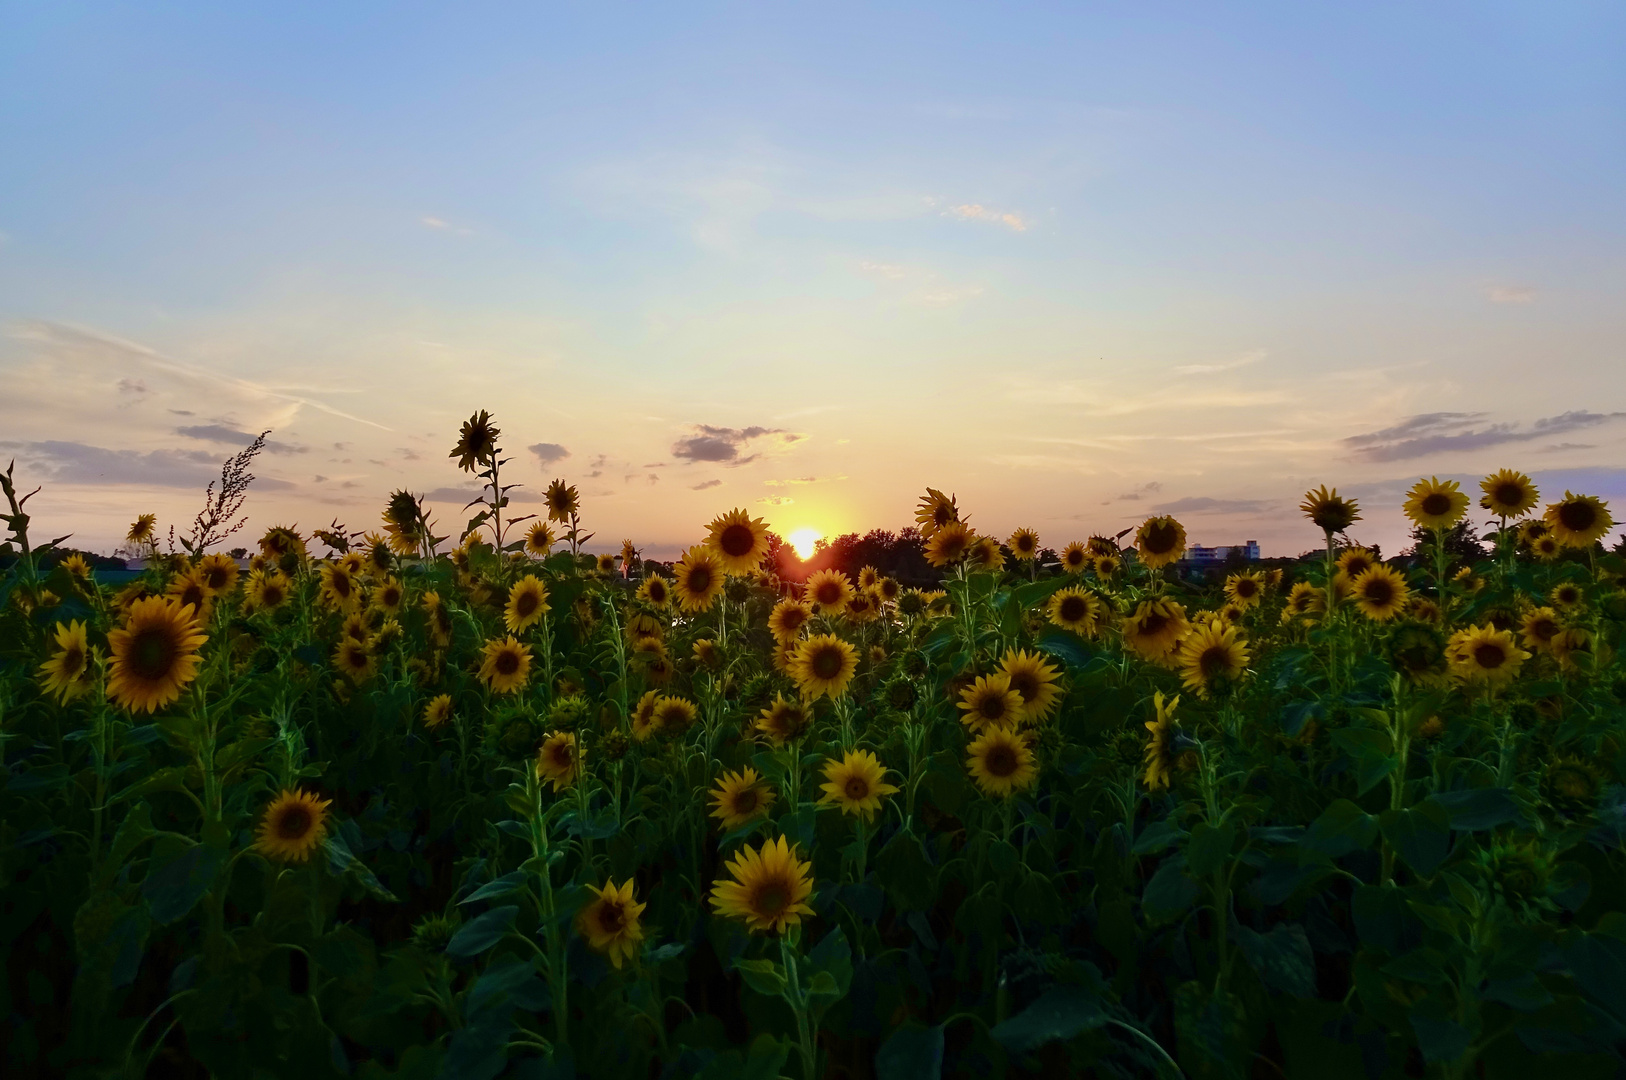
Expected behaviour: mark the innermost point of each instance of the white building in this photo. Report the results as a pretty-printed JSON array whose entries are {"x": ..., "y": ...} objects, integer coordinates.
[{"x": 1198, "y": 555}]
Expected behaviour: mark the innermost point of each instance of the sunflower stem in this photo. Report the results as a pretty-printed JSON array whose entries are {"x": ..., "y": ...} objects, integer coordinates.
[{"x": 797, "y": 1000}]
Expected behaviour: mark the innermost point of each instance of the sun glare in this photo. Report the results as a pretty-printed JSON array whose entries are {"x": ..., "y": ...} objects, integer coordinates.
[{"x": 803, "y": 540}]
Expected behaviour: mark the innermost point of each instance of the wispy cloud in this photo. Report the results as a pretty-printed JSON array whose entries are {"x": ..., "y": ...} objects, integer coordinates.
[
  {"x": 80, "y": 463},
  {"x": 1227, "y": 365},
  {"x": 803, "y": 480},
  {"x": 1434, "y": 433},
  {"x": 777, "y": 500},
  {"x": 1511, "y": 294},
  {"x": 724, "y": 446},
  {"x": 1202, "y": 504},
  {"x": 979, "y": 212},
  {"x": 704, "y": 484},
  {"x": 442, "y": 225},
  {"x": 230, "y": 436},
  {"x": 465, "y": 495},
  {"x": 548, "y": 452}
]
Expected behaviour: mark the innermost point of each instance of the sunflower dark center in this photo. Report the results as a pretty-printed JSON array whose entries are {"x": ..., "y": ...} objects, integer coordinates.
[
  {"x": 1026, "y": 685},
  {"x": 700, "y": 579},
  {"x": 942, "y": 515},
  {"x": 827, "y": 663},
  {"x": 216, "y": 577},
  {"x": 856, "y": 788},
  {"x": 193, "y": 595},
  {"x": 1215, "y": 661},
  {"x": 1509, "y": 494},
  {"x": 1572, "y": 784},
  {"x": 1379, "y": 591},
  {"x": 1543, "y": 629},
  {"x": 611, "y": 917},
  {"x": 992, "y": 706},
  {"x": 391, "y": 597},
  {"x": 1024, "y": 544},
  {"x": 1153, "y": 624},
  {"x": 737, "y": 540},
  {"x": 1490, "y": 655},
  {"x": 507, "y": 662},
  {"x": 828, "y": 593},
  {"x": 152, "y": 653},
  {"x": 1161, "y": 538},
  {"x": 772, "y": 898},
  {"x": 657, "y": 590},
  {"x": 1075, "y": 558},
  {"x": 1000, "y": 761},
  {"x": 73, "y": 658},
  {"x": 1577, "y": 516},
  {"x": 341, "y": 584},
  {"x": 1436, "y": 504},
  {"x": 525, "y": 604},
  {"x": 745, "y": 801},
  {"x": 1073, "y": 609},
  {"x": 272, "y": 594},
  {"x": 294, "y": 823},
  {"x": 1246, "y": 587}
]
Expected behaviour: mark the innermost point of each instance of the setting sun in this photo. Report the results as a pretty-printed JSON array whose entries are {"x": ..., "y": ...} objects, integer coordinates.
[{"x": 803, "y": 540}]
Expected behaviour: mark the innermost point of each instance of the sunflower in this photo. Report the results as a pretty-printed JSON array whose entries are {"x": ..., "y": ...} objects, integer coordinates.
[
  {"x": 700, "y": 579},
  {"x": 935, "y": 511},
  {"x": 354, "y": 563},
  {"x": 984, "y": 554},
  {"x": 1107, "y": 565},
  {"x": 643, "y": 716},
  {"x": 740, "y": 797},
  {"x": 527, "y": 603},
  {"x": 829, "y": 589},
  {"x": 856, "y": 783},
  {"x": 739, "y": 540},
  {"x": 76, "y": 565},
  {"x": 887, "y": 590},
  {"x": 1212, "y": 655},
  {"x": 605, "y": 564},
  {"x": 1330, "y": 512},
  {"x": 1304, "y": 601},
  {"x": 559, "y": 761},
  {"x": 991, "y": 701},
  {"x": 1159, "y": 754},
  {"x": 506, "y": 666},
  {"x": 1024, "y": 544},
  {"x": 1484, "y": 654},
  {"x": 867, "y": 577},
  {"x": 1034, "y": 682},
  {"x": 609, "y": 921},
  {"x": 1245, "y": 589},
  {"x": 218, "y": 573},
  {"x": 1576, "y": 639},
  {"x": 339, "y": 590},
  {"x": 141, "y": 530},
  {"x": 1078, "y": 610},
  {"x": 674, "y": 714},
  {"x": 784, "y": 721},
  {"x": 707, "y": 653},
  {"x": 1001, "y": 762},
  {"x": 1355, "y": 561},
  {"x": 1567, "y": 596},
  {"x": 1435, "y": 503},
  {"x": 282, "y": 543},
  {"x": 655, "y": 591},
  {"x": 266, "y": 590},
  {"x": 1578, "y": 521},
  {"x": 1075, "y": 558},
  {"x": 438, "y": 711},
  {"x": 563, "y": 502},
  {"x": 380, "y": 559},
  {"x": 404, "y": 525},
  {"x": 1419, "y": 652},
  {"x": 823, "y": 665},
  {"x": 1155, "y": 629},
  {"x": 1546, "y": 548},
  {"x": 476, "y": 443},
  {"x": 187, "y": 588},
  {"x": 1424, "y": 610},
  {"x": 1508, "y": 494},
  {"x": 67, "y": 672},
  {"x": 1160, "y": 541},
  {"x": 294, "y": 825},
  {"x": 436, "y": 618},
  {"x": 861, "y": 608},
  {"x": 1539, "y": 627},
  {"x": 355, "y": 658},
  {"x": 769, "y": 890},
  {"x": 1380, "y": 593},
  {"x": 949, "y": 544},
  {"x": 154, "y": 654},
  {"x": 788, "y": 617},
  {"x": 389, "y": 596},
  {"x": 657, "y": 664},
  {"x": 539, "y": 539}
]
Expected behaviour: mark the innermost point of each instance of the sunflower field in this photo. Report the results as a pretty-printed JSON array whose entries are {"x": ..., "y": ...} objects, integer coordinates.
[{"x": 385, "y": 806}]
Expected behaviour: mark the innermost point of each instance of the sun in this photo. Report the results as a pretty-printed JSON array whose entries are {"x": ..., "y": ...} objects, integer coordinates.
[{"x": 803, "y": 540}]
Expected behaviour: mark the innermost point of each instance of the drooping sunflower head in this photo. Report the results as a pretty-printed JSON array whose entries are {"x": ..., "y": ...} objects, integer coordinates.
[
  {"x": 1076, "y": 609},
  {"x": 266, "y": 590},
  {"x": 1024, "y": 544},
  {"x": 438, "y": 711},
  {"x": 707, "y": 654},
  {"x": 949, "y": 544},
  {"x": 404, "y": 522},
  {"x": 67, "y": 672},
  {"x": 476, "y": 443},
  {"x": 142, "y": 529},
  {"x": 1484, "y": 654},
  {"x": 559, "y": 761},
  {"x": 784, "y": 721},
  {"x": 1330, "y": 512},
  {"x": 767, "y": 888},
  {"x": 1569, "y": 644},
  {"x": 1578, "y": 521},
  {"x": 562, "y": 501},
  {"x": 856, "y": 784},
  {"x": 990, "y": 702},
  {"x": 628, "y": 557},
  {"x": 154, "y": 654},
  {"x": 280, "y": 543},
  {"x": 1571, "y": 786},
  {"x": 643, "y": 716},
  {"x": 294, "y": 825},
  {"x": 1436, "y": 503},
  {"x": 1245, "y": 589},
  {"x": 935, "y": 511},
  {"x": 829, "y": 589},
  {"x": 984, "y": 554},
  {"x": 376, "y": 550},
  {"x": 1159, "y": 755},
  {"x": 1304, "y": 601},
  {"x": 1034, "y": 681},
  {"x": 340, "y": 590},
  {"x": 1001, "y": 762},
  {"x": 655, "y": 591},
  {"x": 1418, "y": 651},
  {"x": 1380, "y": 593},
  {"x": 1212, "y": 656},
  {"x": 1508, "y": 494},
  {"x": 527, "y": 603},
  {"x": 740, "y": 797},
  {"x": 700, "y": 579},
  {"x": 1075, "y": 558},
  {"x": 861, "y": 608},
  {"x": 823, "y": 666},
  {"x": 189, "y": 589},
  {"x": 609, "y": 922},
  {"x": 505, "y": 665},
  {"x": 1160, "y": 541},
  {"x": 1155, "y": 628},
  {"x": 675, "y": 714}
]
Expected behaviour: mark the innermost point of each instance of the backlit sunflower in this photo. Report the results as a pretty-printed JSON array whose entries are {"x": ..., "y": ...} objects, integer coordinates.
[
  {"x": 187, "y": 588},
  {"x": 1484, "y": 654},
  {"x": 1154, "y": 630},
  {"x": 1078, "y": 610},
  {"x": 562, "y": 502},
  {"x": 1160, "y": 541},
  {"x": 527, "y": 603},
  {"x": 867, "y": 577},
  {"x": 935, "y": 511},
  {"x": 887, "y": 590},
  {"x": 295, "y": 824},
  {"x": 655, "y": 591},
  {"x": 67, "y": 672},
  {"x": 1539, "y": 627},
  {"x": 476, "y": 443},
  {"x": 657, "y": 664},
  {"x": 266, "y": 590},
  {"x": 404, "y": 523},
  {"x": 787, "y": 618},
  {"x": 984, "y": 554},
  {"x": 1578, "y": 521},
  {"x": 354, "y": 562},
  {"x": 643, "y": 716},
  {"x": 1075, "y": 558},
  {"x": 1245, "y": 589},
  {"x": 1330, "y": 512},
  {"x": 990, "y": 701},
  {"x": 339, "y": 590},
  {"x": 154, "y": 654},
  {"x": 559, "y": 761},
  {"x": 218, "y": 573},
  {"x": 380, "y": 559},
  {"x": 355, "y": 659},
  {"x": 539, "y": 539},
  {"x": 784, "y": 721},
  {"x": 856, "y": 784},
  {"x": 1304, "y": 601},
  {"x": 1107, "y": 565},
  {"x": 605, "y": 564},
  {"x": 141, "y": 530},
  {"x": 281, "y": 542},
  {"x": 506, "y": 665},
  {"x": 1001, "y": 762},
  {"x": 388, "y": 596},
  {"x": 1508, "y": 494},
  {"x": 861, "y": 608},
  {"x": 1159, "y": 754},
  {"x": 823, "y": 665},
  {"x": 610, "y": 923},
  {"x": 1435, "y": 503},
  {"x": 1355, "y": 561},
  {"x": 949, "y": 544},
  {"x": 740, "y": 797},
  {"x": 628, "y": 557},
  {"x": 1034, "y": 681},
  {"x": 76, "y": 565},
  {"x": 1211, "y": 656},
  {"x": 1380, "y": 593},
  {"x": 1024, "y": 545},
  {"x": 829, "y": 589},
  {"x": 739, "y": 540},
  {"x": 700, "y": 579},
  {"x": 438, "y": 711},
  {"x": 769, "y": 889},
  {"x": 674, "y": 714}
]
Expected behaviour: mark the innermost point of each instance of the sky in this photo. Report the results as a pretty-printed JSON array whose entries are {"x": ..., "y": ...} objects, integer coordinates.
[{"x": 1076, "y": 264}]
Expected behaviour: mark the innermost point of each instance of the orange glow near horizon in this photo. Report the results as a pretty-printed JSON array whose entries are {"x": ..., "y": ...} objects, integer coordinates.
[{"x": 803, "y": 540}]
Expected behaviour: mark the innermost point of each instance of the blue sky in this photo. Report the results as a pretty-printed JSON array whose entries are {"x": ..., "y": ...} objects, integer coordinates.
[{"x": 1074, "y": 263}]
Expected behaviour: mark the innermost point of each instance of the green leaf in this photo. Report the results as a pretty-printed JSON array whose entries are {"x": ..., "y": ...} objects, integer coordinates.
[
  {"x": 1282, "y": 958},
  {"x": 901, "y": 869},
  {"x": 911, "y": 1053},
  {"x": 340, "y": 861},
  {"x": 481, "y": 933},
  {"x": 763, "y": 976},
  {"x": 1478, "y": 808},
  {"x": 1168, "y": 894},
  {"x": 509, "y": 883},
  {"x": 1061, "y": 1012},
  {"x": 1002, "y": 857},
  {"x": 1157, "y": 836},
  {"x": 173, "y": 889},
  {"x": 1438, "y": 1036},
  {"x": 1342, "y": 828},
  {"x": 1208, "y": 848},
  {"x": 1421, "y": 836},
  {"x": 1069, "y": 648},
  {"x": 832, "y": 956}
]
